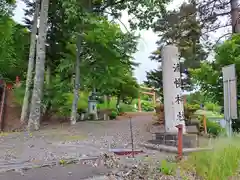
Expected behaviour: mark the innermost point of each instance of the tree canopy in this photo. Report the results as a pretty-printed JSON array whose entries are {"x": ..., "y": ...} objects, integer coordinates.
[
  {"x": 87, "y": 51},
  {"x": 209, "y": 76}
]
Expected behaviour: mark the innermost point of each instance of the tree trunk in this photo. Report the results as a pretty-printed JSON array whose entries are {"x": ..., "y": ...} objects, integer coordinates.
[
  {"x": 77, "y": 83},
  {"x": 48, "y": 106},
  {"x": 235, "y": 16},
  {"x": 87, "y": 5},
  {"x": 27, "y": 96},
  {"x": 118, "y": 102},
  {"x": 108, "y": 101},
  {"x": 35, "y": 113}
]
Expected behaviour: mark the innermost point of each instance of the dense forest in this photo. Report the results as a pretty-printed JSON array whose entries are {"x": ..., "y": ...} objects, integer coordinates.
[{"x": 66, "y": 47}]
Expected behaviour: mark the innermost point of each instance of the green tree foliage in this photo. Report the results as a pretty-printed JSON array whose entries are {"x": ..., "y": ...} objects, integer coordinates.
[
  {"x": 198, "y": 98},
  {"x": 14, "y": 43},
  {"x": 125, "y": 88},
  {"x": 58, "y": 35},
  {"x": 6, "y": 8},
  {"x": 106, "y": 54},
  {"x": 192, "y": 23},
  {"x": 142, "y": 12},
  {"x": 209, "y": 75},
  {"x": 180, "y": 27},
  {"x": 209, "y": 80},
  {"x": 154, "y": 79}
]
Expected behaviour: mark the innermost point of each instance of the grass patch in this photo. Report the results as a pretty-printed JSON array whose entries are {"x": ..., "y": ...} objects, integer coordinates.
[
  {"x": 168, "y": 168},
  {"x": 3, "y": 134},
  {"x": 219, "y": 164}
]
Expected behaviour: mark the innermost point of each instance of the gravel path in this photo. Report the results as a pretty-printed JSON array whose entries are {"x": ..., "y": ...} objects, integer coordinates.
[
  {"x": 62, "y": 142},
  {"x": 84, "y": 139},
  {"x": 70, "y": 172}
]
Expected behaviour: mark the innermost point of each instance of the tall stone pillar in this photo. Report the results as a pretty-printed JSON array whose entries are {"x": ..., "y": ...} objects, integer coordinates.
[{"x": 172, "y": 93}]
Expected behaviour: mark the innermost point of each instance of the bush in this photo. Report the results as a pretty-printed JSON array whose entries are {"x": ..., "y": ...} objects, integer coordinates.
[
  {"x": 193, "y": 107},
  {"x": 126, "y": 108},
  {"x": 113, "y": 115},
  {"x": 63, "y": 103},
  {"x": 147, "y": 106},
  {"x": 189, "y": 110},
  {"x": 212, "y": 107},
  {"x": 168, "y": 168},
  {"x": 214, "y": 128}
]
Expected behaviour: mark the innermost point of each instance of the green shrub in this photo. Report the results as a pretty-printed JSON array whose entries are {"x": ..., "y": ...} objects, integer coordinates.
[
  {"x": 214, "y": 128},
  {"x": 113, "y": 115},
  {"x": 83, "y": 100},
  {"x": 147, "y": 106},
  {"x": 63, "y": 103},
  {"x": 126, "y": 108},
  {"x": 189, "y": 110},
  {"x": 168, "y": 168},
  {"x": 101, "y": 106},
  {"x": 194, "y": 107},
  {"x": 212, "y": 107}
]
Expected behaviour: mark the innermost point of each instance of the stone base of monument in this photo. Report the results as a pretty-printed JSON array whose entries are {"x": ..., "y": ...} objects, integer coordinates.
[{"x": 171, "y": 139}]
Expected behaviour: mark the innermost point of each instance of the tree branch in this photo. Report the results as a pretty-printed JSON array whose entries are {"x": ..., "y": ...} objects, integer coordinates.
[{"x": 229, "y": 33}]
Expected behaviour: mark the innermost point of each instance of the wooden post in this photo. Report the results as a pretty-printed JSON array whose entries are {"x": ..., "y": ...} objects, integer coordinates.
[
  {"x": 180, "y": 141},
  {"x": 184, "y": 99},
  {"x": 154, "y": 98},
  {"x": 205, "y": 124},
  {"x": 2, "y": 108}
]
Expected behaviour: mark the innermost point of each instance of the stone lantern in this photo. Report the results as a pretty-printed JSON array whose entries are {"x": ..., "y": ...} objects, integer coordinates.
[{"x": 92, "y": 104}]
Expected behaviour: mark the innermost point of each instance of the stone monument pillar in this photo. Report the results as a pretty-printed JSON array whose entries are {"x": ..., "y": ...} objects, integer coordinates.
[{"x": 172, "y": 93}]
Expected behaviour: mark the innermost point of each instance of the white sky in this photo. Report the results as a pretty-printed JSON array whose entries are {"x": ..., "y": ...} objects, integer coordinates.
[{"x": 146, "y": 43}]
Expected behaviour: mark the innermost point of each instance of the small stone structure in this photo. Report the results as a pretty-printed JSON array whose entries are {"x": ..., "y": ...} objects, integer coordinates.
[{"x": 92, "y": 106}]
